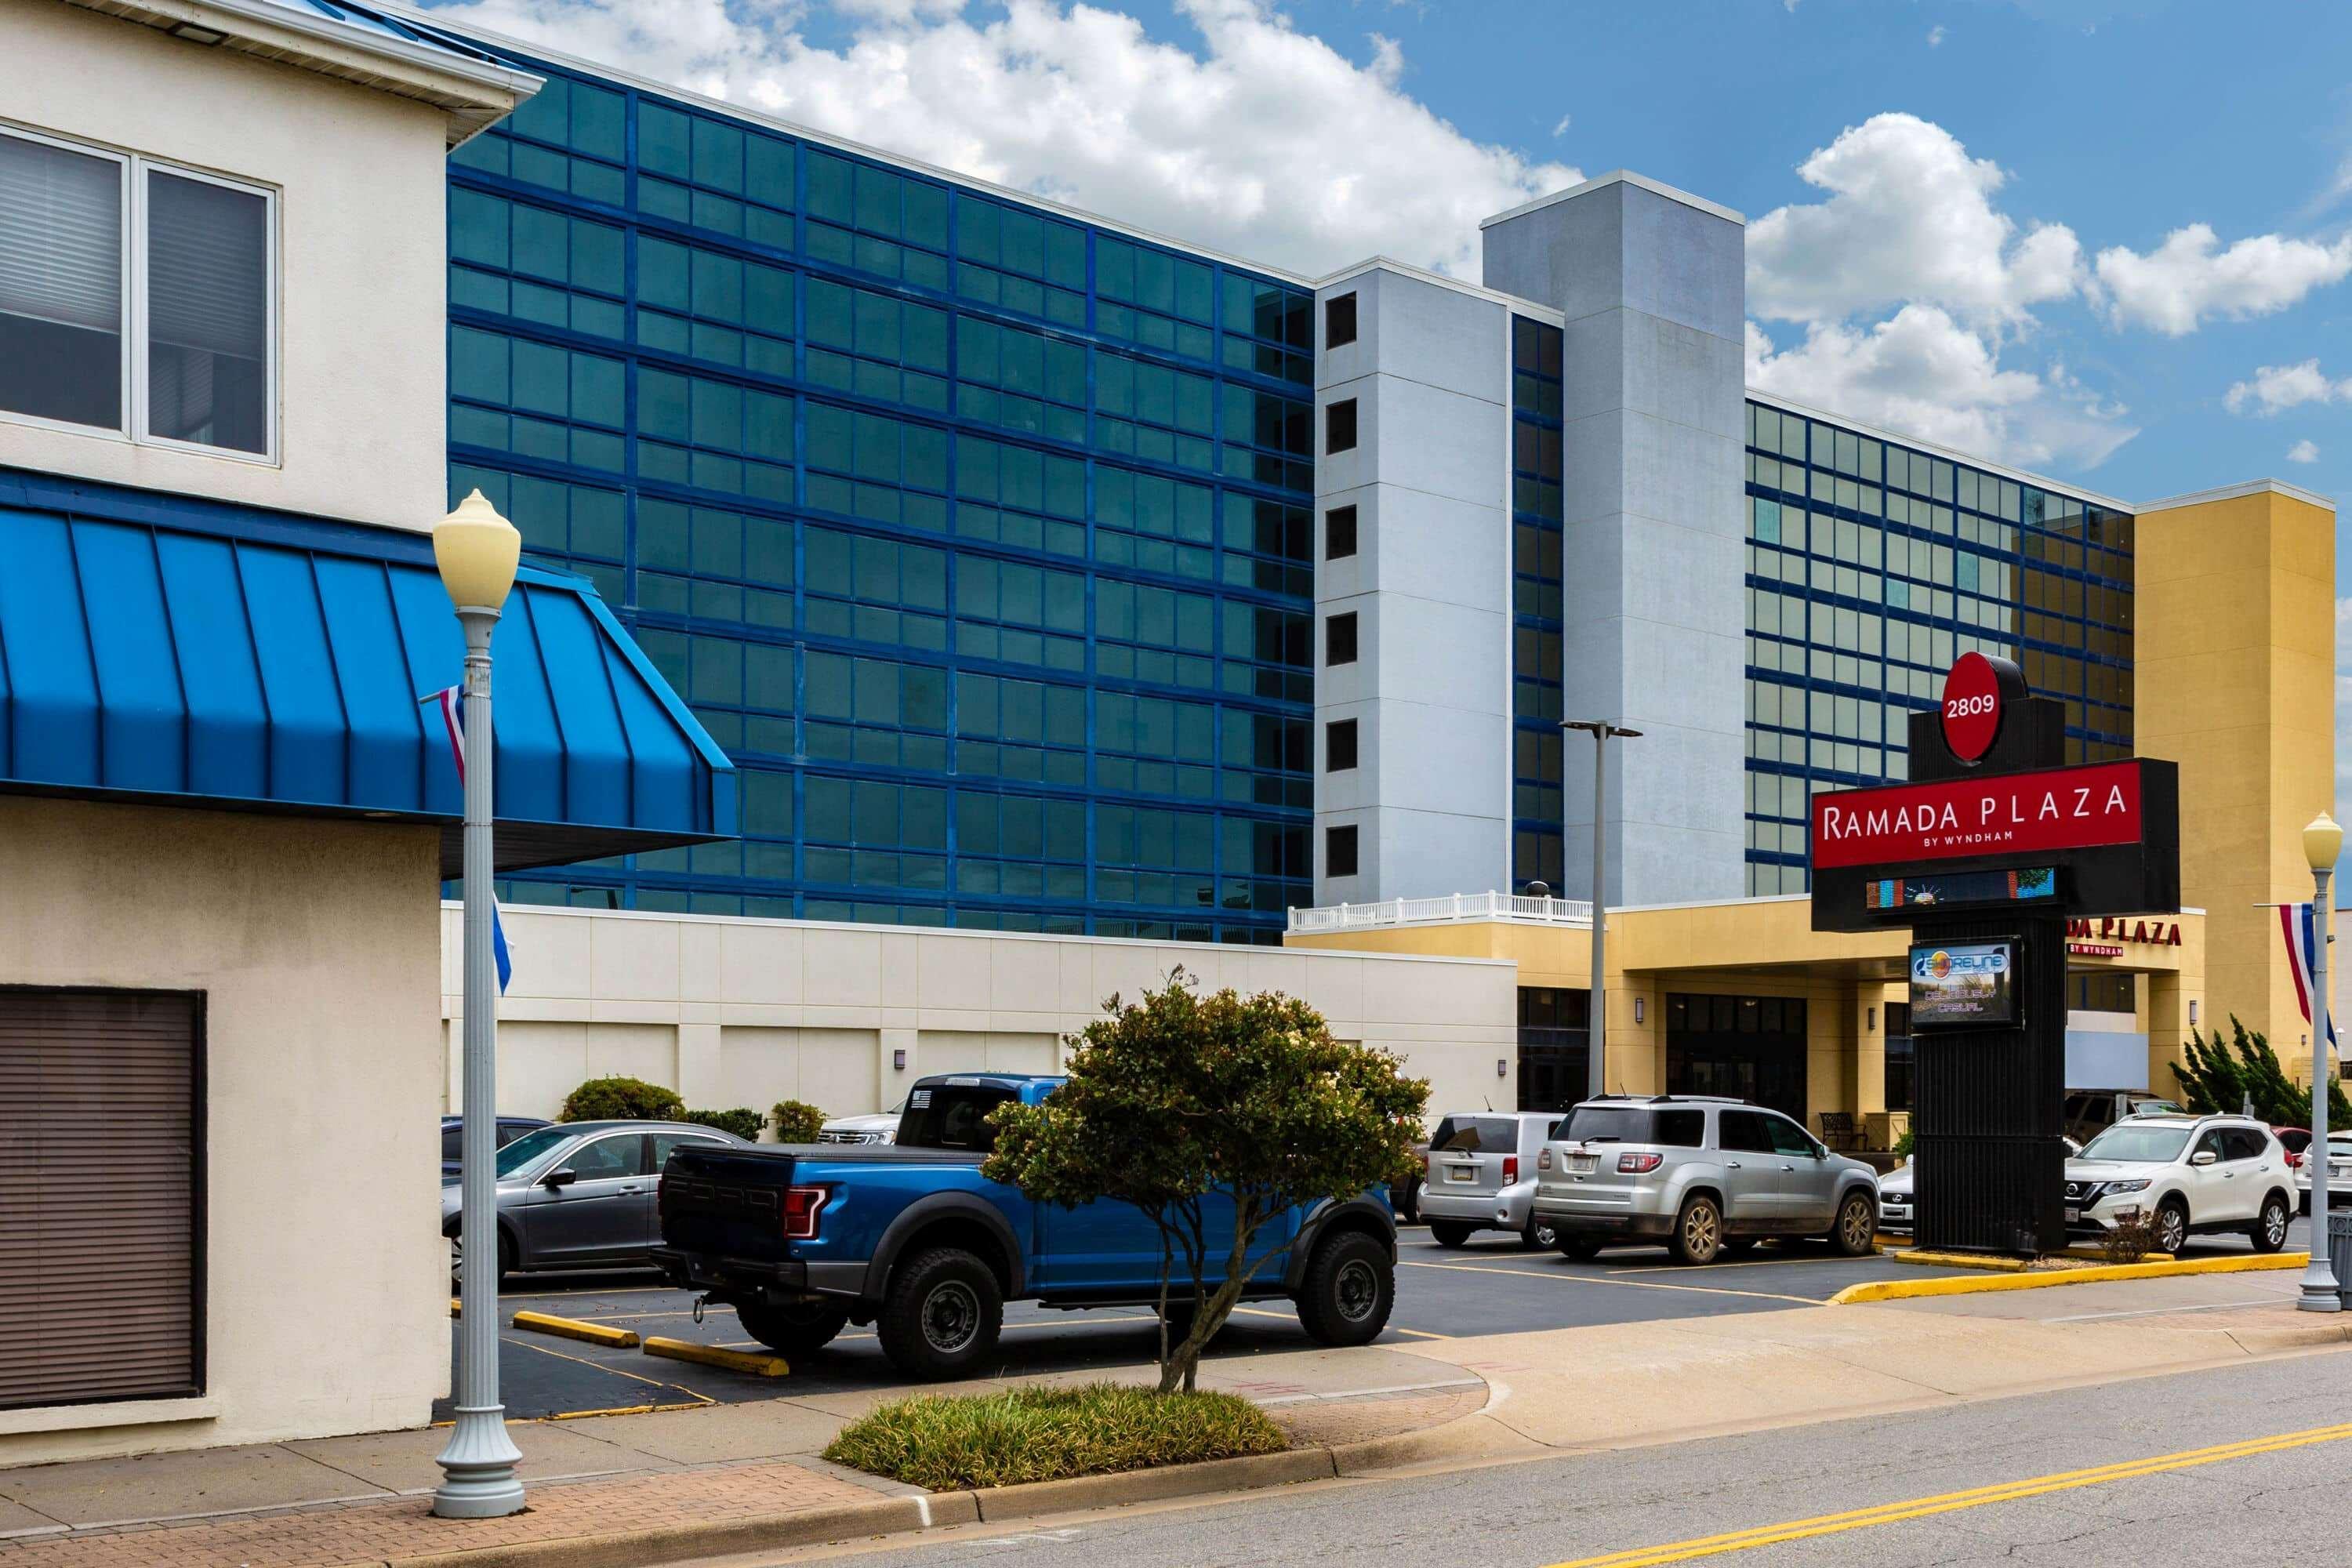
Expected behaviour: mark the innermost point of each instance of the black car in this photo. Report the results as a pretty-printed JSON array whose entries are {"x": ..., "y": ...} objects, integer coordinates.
[{"x": 452, "y": 1131}]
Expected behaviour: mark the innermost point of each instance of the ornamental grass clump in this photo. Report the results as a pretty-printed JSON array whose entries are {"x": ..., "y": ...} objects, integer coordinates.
[{"x": 954, "y": 1442}]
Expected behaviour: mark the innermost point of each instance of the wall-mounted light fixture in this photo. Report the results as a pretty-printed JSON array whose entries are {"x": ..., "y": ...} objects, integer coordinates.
[
  {"x": 1640, "y": 1008},
  {"x": 1872, "y": 1012},
  {"x": 2192, "y": 1011},
  {"x": 898, "y": 1061},
  {"x": 1502, "y": 1066}
]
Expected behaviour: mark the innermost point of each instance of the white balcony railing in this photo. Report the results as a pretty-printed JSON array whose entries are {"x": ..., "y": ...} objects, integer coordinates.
[{"x": 1451, "y": 907}]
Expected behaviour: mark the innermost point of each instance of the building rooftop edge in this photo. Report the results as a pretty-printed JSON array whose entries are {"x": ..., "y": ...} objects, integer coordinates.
[
  {"x": 1441, "y": 280},
  {"x": 2231, "y": 492},
  {"x": 1620, "y": 177},
  {"x": 1936, "y": 448}
]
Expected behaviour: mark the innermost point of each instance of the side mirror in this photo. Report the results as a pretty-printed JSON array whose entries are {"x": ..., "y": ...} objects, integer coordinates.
[
  {"x": 562, "y": 1177},
  {"x": 2202, "y": 1157}
]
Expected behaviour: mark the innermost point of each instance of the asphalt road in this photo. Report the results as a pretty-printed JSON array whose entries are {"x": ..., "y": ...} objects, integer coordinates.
[
  {"x": 2241, "y": 1466},
  {"x": 1489, "y": 1287}
]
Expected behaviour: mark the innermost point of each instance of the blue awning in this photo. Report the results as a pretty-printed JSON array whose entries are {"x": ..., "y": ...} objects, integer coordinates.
[{"x": 167, "y": 649}]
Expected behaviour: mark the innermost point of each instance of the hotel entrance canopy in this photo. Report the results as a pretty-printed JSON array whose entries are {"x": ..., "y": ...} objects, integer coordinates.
[{"x": 177, "y": 651}]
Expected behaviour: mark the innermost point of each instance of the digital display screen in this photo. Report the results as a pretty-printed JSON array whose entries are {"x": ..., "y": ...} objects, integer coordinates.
[
  {"x": 1963, "y": 983},
  {"x": 1961, "y": 887}
]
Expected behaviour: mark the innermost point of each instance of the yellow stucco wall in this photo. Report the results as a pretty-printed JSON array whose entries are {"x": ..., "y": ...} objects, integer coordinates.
[{"x": 2235, "y": 682}]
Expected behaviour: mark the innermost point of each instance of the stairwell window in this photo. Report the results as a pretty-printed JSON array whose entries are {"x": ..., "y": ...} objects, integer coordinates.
[
  {"x": 1339, "y": 426},
  {"x": 136, "y": 298}
]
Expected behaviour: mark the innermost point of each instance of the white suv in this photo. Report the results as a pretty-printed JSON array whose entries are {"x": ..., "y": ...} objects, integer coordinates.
[{"x": 2185, "y": 1175}]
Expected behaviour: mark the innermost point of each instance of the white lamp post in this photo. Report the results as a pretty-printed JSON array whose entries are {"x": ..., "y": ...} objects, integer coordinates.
[
  {"x": 2323, "y": 840},
  {"x": 478, "y": 551},
  {"x": 1595, "y": 1057}
]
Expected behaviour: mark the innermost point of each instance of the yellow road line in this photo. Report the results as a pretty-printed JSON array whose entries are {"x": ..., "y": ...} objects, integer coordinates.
[
  {"x": 1620, "y": 1284},
  {"x": 1743, "y": 1263},
  {"x": 1950, "y": 1502}
]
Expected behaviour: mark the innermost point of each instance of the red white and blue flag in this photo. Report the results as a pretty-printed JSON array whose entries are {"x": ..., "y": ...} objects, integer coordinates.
[
  {"x": 2302, "y": 935},
  {"x": 451, "y": 703}
]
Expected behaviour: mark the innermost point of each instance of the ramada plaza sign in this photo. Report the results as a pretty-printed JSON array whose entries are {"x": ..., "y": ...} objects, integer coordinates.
[{"x": 2000, "y": 813}]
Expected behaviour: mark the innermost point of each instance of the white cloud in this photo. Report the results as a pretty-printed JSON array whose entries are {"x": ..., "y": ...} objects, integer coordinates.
[
  {"x": 1561, "y": 129},
  {"x": 1909, "y": 218},
  {"x": 1922, "y": 373},
  {"x": 2303, "y": 451},
  {"x": 2280, "y": 386},
  {"x": 2190, "y": 279},
  {"x": 1263, "y": 140},
  {"x": 1935, "y": 36}
]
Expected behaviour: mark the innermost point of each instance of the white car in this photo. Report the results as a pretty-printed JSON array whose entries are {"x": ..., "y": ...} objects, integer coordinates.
[
  {"x": 2339, "y": 1174},
  {"x": 881, "y": 1127},
  {"x": 2185, "y": 1175},
  {"x": 1897, "y": 1191}
]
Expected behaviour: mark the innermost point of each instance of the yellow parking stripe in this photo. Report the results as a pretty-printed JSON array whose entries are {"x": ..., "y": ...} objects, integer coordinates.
[{"x": 1950, "y": 1502}]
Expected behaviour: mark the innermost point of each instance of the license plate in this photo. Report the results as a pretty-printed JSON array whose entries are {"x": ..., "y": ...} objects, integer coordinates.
[
  {"x": 2073, "y": 1215},
  {"x": 1583, "y": 1161},
  {"x": 1461, "y": 1173}
]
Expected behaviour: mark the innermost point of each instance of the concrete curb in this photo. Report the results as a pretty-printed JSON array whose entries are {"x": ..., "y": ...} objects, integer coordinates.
[
  {"x": 748, "y": 1361},
  {"x": 573, "y": 1329},
  {"x": 1991, "y": 1264},
  {"x": 1908, "y": 1289}
]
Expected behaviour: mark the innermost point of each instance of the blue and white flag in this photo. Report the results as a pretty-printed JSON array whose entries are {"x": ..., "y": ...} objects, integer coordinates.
[
  {"x": 2302, "y": 935},
  {"x": 450, "y": 700}
]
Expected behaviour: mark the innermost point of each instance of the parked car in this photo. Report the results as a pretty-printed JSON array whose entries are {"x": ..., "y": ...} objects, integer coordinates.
[
  {"x": 910, "y": 1237},
  {"x": 2294, "y": 1140},
  {"x": 1404, "y": 1192},
  {"x": 579, "y": 1195},
  {"x": 1897, "y": 1191},
  {"x": 2187, "y": 1176},
  {"x": 2091, "y": 1112},
  {"x": 881, "y": 1127},
  {"x": 1703, "y": 1175},
  {"x": 453, "y": 1130},
  {"x": 2339, "y": 1172},
  {"x": 1481, "y": 1169}
]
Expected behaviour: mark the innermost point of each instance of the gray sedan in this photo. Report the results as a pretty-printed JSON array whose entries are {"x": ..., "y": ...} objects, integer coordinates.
[{"x": 579, "y": 1195}]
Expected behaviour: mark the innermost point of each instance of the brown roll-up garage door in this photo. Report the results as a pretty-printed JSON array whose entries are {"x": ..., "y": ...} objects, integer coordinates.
[{"x": 102, "y": 1182}]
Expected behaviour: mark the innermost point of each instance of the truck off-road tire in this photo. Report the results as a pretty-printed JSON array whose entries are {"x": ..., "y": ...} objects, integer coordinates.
[
  {"x": 795, "y": 1329},
  {"x": 1348, "y": 1291},
  {"x": 1697, "y": 1235},
  {"x": 1449, "y": 1232},
  {"x": 1582, "y": 1248},
  {"x": 942, "y": 1313},
  {"x": 2268, "y": 1233},
  {"x": 1855, "y": 1235}
]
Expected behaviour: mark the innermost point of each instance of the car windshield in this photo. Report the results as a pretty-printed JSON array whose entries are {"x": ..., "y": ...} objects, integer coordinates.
[
  {"x": 529, "y": 1147},
  {"x": 2142, "y": 1144}
]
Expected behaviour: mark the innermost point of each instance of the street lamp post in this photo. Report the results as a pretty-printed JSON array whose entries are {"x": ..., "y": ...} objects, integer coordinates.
[
  {"x": 1596, "y": 1051},
  {"x": 478, "y": 551},
  {"x": 2323, "y": 840}
]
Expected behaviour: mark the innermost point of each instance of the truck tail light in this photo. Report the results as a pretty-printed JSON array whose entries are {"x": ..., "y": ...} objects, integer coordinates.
[
  {"x": 1543, "y": 1160},
  {"x": 2294, "y": 1161},
  {"x": 1510, "y": 1169},
  {"x": 800, "y": 1208},
  {"x": 1639, "y": 1164}
]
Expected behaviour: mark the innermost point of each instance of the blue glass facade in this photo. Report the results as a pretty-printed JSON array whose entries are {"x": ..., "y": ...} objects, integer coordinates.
[
  {"x": 1871, "y": 566},
  {"x": 978, "y": 536},
  {"x": 1536, "y": 541}
]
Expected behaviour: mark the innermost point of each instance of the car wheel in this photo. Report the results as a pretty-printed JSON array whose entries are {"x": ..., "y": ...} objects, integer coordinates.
[
  {"x": 2172, "y": 1225},
  {"x": 1348, "y": 1291},
  {"x": 1538, "y": 1235},
  {"x": 1857, "y": 1226},
  {"x": 1698, "y": 1231},
  {"x": 941, "y": 1313},
  {"x": 1582, "y": 1248},
  {"x": 794, "y": 1329},
  {"x": 1449, "y": 1232},
  {"x": 1410, "y": 1211},
  {"x": 2268, "y": 1233},
  {"x": 457, "y": 1262}
]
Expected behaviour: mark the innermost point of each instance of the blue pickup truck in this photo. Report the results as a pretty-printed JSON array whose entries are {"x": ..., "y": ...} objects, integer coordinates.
[{"x": 806, "y": 1238}]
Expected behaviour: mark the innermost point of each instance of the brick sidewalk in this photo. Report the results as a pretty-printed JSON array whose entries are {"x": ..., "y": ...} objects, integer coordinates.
[{"x": 373, "y": 1532}]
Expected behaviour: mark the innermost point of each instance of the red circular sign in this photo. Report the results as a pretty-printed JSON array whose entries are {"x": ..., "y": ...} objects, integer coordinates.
[{"x": 1972, "y": 707}]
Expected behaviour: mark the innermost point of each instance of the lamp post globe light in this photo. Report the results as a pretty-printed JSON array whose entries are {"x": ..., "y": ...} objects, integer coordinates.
[
  {"x": 478, "y": 551},
  {"x": 2323, "y": 840},
  {"x": 1596, "y": 1049}
]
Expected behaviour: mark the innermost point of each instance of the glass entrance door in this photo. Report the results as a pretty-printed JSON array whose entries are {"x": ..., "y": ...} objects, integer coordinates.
[{"x": 1745, "y": 1047}]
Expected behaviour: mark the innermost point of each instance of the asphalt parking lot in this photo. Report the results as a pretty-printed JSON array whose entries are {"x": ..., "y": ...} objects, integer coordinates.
[{"x": 1490, "y": 1287}]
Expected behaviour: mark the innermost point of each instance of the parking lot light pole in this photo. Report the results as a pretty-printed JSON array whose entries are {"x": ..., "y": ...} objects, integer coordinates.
[
  {"x": 2323, "y": 840},
  {"x": 1596, "y": 1049},
  {"x": 478, "y": 551}
]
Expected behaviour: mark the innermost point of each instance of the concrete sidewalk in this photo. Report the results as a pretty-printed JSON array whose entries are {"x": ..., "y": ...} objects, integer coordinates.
[{"x": 668, "y": 1485}]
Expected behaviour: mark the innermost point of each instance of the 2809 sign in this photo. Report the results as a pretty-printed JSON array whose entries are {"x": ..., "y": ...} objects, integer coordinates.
[{"x": 1972, "y": 707}]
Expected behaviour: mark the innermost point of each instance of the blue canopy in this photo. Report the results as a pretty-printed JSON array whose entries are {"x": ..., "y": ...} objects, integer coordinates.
[{"x": 168, "y": 649}]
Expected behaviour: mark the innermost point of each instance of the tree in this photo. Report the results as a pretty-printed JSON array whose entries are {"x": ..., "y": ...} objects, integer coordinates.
[
  {"x": 1196, "y": 1109},
  {"x": 2221, "y": 1078}
]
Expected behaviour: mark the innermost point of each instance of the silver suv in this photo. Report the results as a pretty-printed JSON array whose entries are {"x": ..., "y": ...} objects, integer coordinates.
[
  {"x": 1706, "y": 1176},
  {"x": 1481, "y": 1171}
]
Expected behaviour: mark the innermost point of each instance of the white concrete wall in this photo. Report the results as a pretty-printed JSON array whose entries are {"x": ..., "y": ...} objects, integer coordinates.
[
  {"x": 733, "y": 1012},
  {"x": 1430, "y": 585},
  {"x": 1650, "y": 283},
  {"x": 314, "y": 945},
  {"x": 360, "y": 179}
]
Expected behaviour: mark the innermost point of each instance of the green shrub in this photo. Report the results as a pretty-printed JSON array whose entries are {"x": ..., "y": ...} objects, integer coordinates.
[
  {"x": 797, "y": 1122},
  {"x": 1908, "y": 1144},
  {"x": 744, "y": 1121},
  {"x": 949, "y": 1442},
  {"x": 621, "y": 1099}
]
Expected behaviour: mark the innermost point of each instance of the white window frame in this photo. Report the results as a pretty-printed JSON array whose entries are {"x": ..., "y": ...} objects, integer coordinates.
[{"x": 132, "y": 426}]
